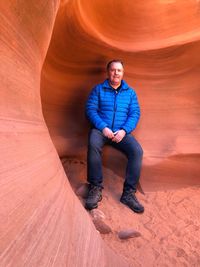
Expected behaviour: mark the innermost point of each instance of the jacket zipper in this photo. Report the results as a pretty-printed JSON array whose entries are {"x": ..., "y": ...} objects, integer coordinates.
[{"x": 114, "y": 109}]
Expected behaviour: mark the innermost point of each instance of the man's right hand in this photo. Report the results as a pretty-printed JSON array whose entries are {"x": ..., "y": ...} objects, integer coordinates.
[{"x": 108, "y": 133}]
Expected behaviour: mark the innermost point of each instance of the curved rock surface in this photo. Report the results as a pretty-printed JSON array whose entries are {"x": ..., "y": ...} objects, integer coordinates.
[
  {"x": 159, "y": 44},
  {"x": 42, "y": 223}
]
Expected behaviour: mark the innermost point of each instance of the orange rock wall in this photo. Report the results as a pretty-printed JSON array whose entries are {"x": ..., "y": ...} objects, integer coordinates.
[
  {"x": 159, "y": 44},
  {"x": 42, "y": 223}
]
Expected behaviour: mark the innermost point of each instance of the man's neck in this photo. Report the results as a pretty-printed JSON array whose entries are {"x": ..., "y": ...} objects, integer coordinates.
[{"x": 115, "y": 86}]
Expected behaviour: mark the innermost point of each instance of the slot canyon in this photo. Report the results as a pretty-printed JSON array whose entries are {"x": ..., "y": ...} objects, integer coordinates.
[{"x": 52, "y": 54}]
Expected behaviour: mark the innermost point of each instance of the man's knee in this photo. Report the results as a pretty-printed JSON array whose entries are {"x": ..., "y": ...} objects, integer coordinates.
[{"x": 135, "y": 148}]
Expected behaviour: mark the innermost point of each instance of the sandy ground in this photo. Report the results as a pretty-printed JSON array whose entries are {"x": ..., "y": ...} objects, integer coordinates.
[{"x": 169, "y": 227}]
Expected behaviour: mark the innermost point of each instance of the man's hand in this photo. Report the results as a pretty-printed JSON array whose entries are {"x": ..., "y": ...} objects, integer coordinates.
[
  {"x": 119, "y": 136},
  {"x": 108, "y": 133}
]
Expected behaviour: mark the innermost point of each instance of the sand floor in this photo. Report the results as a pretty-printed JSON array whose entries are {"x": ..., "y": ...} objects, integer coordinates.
[{"x": 169, "y": 227}]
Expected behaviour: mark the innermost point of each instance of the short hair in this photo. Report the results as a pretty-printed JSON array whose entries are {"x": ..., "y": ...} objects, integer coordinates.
[{"x": 114, "y": 61}]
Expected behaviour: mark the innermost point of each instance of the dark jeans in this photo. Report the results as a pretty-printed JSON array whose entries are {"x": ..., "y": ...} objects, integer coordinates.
[{"x": 129, "y": 146}]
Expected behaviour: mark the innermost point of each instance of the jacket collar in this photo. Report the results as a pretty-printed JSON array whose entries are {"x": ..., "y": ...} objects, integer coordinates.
[{"x": 124, "y": 85}]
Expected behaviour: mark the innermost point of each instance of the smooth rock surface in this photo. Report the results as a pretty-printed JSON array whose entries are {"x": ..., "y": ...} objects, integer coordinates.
[
  {"x": 159, "y": 42},
  {"x": 42, "y": 223},
  {"x": 160, "y": 45}
]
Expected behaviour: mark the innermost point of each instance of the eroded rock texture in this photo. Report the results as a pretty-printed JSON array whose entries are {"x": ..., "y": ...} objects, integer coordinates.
[
  {"x": 159, "y": 43},
  {"x": 42, "y": 223}
]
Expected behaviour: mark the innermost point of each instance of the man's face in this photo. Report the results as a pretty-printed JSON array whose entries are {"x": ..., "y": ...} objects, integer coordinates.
[{"x": 115, "y": 73}]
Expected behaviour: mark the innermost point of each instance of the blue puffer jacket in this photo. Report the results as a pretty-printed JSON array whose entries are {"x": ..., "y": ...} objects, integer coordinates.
[{"x": 106, "y": 107}]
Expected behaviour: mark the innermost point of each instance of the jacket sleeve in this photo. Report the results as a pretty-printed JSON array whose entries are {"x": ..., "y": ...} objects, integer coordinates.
[
  {"x": 92, "y": 108},
  {"x": 133, "y": 115}
]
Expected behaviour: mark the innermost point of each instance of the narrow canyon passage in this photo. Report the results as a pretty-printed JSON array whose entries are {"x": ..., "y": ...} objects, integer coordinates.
[{"x": 52, "y": 53}]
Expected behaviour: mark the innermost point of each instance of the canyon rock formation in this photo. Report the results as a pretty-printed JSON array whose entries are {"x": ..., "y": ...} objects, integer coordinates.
[
  {"x": 159, "y": 44},
  {"x": 42, "y": 222},
  {"x": 52, "y": 53}
]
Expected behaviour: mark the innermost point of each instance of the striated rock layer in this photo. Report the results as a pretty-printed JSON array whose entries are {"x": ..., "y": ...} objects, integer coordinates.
[
  {"x": 159, "y": 42},
  {"x": 42, "y": 223}
]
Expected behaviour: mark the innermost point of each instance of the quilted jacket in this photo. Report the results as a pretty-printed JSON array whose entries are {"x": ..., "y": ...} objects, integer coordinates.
[{"x": 107, "y": 107}]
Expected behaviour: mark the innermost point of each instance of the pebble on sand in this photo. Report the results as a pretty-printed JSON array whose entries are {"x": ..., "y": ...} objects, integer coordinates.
[
  {"x": 97, "y": 214},
  {"x": 101, "y": 226},
  {"x": 128, "y": 233}
]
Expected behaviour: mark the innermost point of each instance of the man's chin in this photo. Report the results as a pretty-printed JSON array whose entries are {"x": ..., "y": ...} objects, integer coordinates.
[{"x": 116, "y": 81}]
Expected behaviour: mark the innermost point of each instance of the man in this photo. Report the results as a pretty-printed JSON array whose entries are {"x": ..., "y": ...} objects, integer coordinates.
[{"x": 113, "y": 110}]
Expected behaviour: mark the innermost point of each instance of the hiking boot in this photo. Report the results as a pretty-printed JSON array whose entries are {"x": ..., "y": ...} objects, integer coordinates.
[
  {"x": 94, "y": 196},
  {"x": 129, "y": 199}
]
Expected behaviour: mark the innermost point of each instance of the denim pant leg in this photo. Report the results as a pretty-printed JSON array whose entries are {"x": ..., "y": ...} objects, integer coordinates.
[
  {"x": 132, "y": 149},
  {"x": 96, "y": 142}
]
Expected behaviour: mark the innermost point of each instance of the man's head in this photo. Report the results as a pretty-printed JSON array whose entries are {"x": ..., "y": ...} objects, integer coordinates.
[{"x": 115, "y": 71}]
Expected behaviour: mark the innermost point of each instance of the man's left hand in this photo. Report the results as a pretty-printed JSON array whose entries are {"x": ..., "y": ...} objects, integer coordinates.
[{"x": 119, "y": 136}]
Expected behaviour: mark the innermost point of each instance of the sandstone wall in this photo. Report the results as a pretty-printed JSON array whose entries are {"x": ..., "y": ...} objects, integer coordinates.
[
  {"x": 159, "y": 44},
  {"x": 42, "y": 223}
]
